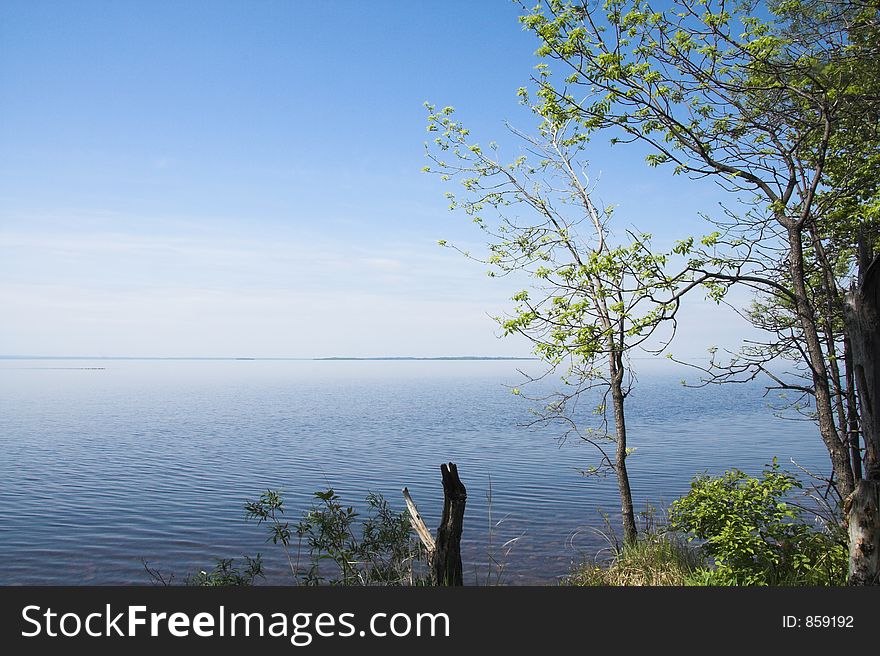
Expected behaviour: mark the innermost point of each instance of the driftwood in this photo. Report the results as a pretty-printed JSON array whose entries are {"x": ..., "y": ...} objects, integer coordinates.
[
  {"x": 418, "y": 524},
  {"x": 444, "y": 553},
  {"x": 862, "y": 507}
]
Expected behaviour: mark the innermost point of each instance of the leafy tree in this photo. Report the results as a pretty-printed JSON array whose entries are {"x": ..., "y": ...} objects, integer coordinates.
[
  {"x": 594, "y": 296},
  {"x": 770, "y": 101}
]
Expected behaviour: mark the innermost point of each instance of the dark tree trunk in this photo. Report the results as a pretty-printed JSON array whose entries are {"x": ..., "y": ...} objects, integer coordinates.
[
  {"x": 852, "y": 411},
  {"x": 842, "y": 395},
  {"x": 446, "y": 563},
  {"x": 862, "y": 507},
  {"x": 628, "y": 517},
  {"x": 837, "y": 450}
]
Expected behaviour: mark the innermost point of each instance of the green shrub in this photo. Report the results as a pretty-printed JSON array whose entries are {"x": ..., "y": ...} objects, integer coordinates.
[
  {"x": 226, "y": 573},
  {"x": 340, "y": 549},
  {"x": 756, "y": 536}
]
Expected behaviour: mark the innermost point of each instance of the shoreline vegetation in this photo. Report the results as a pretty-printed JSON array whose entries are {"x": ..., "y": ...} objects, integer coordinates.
[{"x": 729, "y": 530}]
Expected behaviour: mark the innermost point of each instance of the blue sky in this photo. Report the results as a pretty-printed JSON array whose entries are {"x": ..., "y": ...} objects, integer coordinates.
[{"x": 243, "y": 178}]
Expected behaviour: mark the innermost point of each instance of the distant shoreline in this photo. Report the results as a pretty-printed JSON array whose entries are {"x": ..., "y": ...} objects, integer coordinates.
[
  {"x": 442, "y": 357},
  {"x": 325, "y": 359}
]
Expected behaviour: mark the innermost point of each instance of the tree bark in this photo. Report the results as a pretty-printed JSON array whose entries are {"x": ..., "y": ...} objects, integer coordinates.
[
  {"x": 862, "y": 510},
  {"x": 446, "y": 565},
  {"x": 852, "y": 411},
  {"x": 628, "y": 518},
  {"x": 837, "y": 451},
  {"x": 826, "y": 319},
  {"x": 862, "y": 507},
  {"x": 862, "y": 315}
]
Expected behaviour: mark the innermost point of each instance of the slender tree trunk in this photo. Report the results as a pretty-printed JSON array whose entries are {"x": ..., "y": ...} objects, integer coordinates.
[
  {"x": 852, "y": 411},
  {"x": 833, "y": 306},
  {"x": 630, "y": 532},
  {"x": 847, "y": 413},
  {"x": 839, "y": 395},
  {"x": 807, "y": 318}
]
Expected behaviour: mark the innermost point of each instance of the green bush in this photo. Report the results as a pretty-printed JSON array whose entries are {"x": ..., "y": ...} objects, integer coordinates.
[
  {"x": 227, "y": 573},
  {"x": 338, "y": 547},
  {"x": 756, "y": 536}
]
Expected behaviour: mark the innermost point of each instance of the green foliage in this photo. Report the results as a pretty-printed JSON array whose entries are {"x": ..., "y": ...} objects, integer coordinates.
[
  {"x": 594, "y": 295},
  {"x": 269, "y": 508},
  {"x": 776, "y": 101},
  {"x": 380, "y": 549},
  {"x": 388, "y": 543},
  {"x": 328, "y": 530},
  {"x": 227, "y": 573},
  {"x": 754, "y": 534},
  {"x": 699, "y": 82}
]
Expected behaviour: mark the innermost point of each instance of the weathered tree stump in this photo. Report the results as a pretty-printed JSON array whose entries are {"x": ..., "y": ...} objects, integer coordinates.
[
  {"x": 444, "y": 553},
  {"x": 862, "y": 507},
  {"x": 447, "y": 557}
]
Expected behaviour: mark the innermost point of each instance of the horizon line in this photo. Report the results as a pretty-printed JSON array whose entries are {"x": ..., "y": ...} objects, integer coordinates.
[{"x": 275, "y": 358}]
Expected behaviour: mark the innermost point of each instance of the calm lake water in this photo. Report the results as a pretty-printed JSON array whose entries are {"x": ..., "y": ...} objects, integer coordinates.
[{"x": 153, "y": 460}]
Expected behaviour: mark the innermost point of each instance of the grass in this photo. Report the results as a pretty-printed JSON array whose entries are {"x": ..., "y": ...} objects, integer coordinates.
[
  {"x": 658, "y": 558},
  {"x": 662, "y": 558}
]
